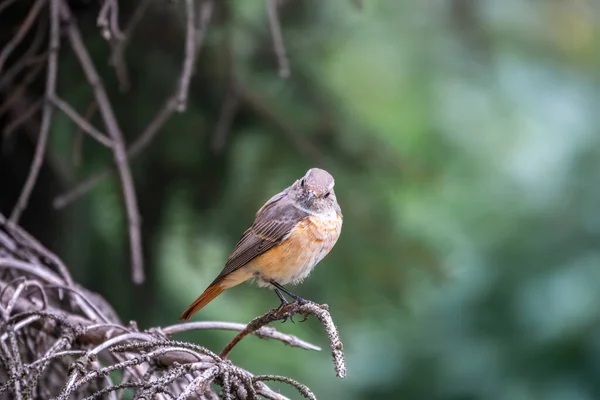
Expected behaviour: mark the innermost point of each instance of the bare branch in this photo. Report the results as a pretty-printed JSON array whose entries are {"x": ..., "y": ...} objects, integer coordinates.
[
  {"x": 21, "y": 119},
  {"x": 120, "y": 155},
  {"x": 6, "y": 4},
  {"x": 28, "y": 58},
  {"x": 263, "y": 333},
  {"x": 40, "y": 149},
  {"x": 190, "y": 57},
  {"x": 108, "y": 20},
  {"x": 81, "y": 122},
  {"x": 19, "y": 92},
  {"x": 193, "y": 37},
  {"x": 23, "y": 29},
  {"x": 117, "y": 57},
  {"x": 305, "y": 391},
  {"x": 282, "y": 60}
]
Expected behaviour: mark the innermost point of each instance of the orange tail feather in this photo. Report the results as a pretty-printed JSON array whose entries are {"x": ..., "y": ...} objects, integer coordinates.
[{"x": 209, "y": 294}]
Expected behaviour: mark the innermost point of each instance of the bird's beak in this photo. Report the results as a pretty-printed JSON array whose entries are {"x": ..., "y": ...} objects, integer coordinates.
[{"x": 310, "y": 195}]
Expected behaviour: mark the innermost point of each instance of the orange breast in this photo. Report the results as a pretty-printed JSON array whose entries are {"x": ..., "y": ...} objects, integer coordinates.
[{"x": 293, "y": 259}]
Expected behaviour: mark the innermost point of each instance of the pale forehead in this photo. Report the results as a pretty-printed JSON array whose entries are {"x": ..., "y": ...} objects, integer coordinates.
[{"x": 319, "y": 178}]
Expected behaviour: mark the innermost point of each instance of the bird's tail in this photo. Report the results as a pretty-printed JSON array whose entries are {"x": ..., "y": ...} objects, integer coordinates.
[{"x": 209, "y": 294}]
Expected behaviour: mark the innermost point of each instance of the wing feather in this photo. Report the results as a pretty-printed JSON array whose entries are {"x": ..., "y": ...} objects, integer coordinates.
[{"x": 273, "y": 223}]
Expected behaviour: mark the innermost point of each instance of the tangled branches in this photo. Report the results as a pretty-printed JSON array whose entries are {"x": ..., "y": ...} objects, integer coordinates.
[{"x": 58, "y": 340}]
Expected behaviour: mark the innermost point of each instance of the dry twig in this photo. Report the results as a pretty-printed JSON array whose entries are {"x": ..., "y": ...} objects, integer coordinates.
[
  {"x": 114, "y": 131},
  {"x": 17, "y": 122},
  {"x": 40, "y": 149},
  {"x": 263, "y": 333},
  {"x": 108, "y": 20},
  {"x": 81, "y": 122},
  {"x": 23, "y": 29},
  {"x": 279, "y": 47},
  {"x": 117, "y": 57},
  {"x": 190, "y": 56}
]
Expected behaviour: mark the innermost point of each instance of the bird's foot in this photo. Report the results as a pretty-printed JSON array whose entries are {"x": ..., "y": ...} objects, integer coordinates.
[{"x": 286, "y": 317}]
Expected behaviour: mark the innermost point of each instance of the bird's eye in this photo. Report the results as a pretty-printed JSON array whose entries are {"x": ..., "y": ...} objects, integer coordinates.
[
  {"x": 327, "y": 195},
  {"x": 302, "y": 182}
]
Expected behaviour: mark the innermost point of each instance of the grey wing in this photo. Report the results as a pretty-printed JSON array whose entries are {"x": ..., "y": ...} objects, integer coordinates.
[{"x": 274, "y": 221}]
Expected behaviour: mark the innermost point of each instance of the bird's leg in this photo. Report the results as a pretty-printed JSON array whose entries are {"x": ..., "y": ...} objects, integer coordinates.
[
  {"x": 281, "y": 297},
  {"x": 283, "y": 303},
  {"x": 299, "y": 299}
]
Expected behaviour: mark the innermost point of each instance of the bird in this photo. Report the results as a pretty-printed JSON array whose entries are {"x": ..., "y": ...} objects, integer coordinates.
[{"x": 292, "y": 232}]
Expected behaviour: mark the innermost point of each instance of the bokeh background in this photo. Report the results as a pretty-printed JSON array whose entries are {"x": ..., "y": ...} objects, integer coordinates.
[{"x": 464, "y": 137}]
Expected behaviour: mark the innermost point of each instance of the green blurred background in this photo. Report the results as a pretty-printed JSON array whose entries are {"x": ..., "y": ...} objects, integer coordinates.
[{"x": 464, "y": 137}]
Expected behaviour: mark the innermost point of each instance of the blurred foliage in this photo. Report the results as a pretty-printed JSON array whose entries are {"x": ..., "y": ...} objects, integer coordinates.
[{"x": 464, "y": 139}]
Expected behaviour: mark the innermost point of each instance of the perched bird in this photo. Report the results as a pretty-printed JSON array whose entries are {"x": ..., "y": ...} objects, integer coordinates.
[{"x": 291, "y": 233}]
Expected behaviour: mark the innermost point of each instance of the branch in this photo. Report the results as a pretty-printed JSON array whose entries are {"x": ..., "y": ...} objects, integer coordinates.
[
  {"x": 190, "y": 57},
  {"x": 6, "y": 4},
  {"x": 118, "y": 48},
  {"x": 282, "y": 60},
  {"x": 28, "y": 58},
  {"x": 23, "y": 29},
  {"x": 263, "y": 333},
  {"x": 120, "y": 155},
  {"x": 287, "y": 311},
  {"x": 40, "y": 149},
  {"x": 21, "y": 119},
  {"x": 81, "y": 122},
  {"x": 108, "y": 20}
]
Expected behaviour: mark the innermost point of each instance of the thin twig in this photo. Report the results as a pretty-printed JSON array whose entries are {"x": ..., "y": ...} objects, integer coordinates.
[
  {"x": 263, "y": 333},
  {"x": 40, "y": 149},
  {"x": 81, "y": 122},
  {"x": 193, "y": 39},
  {"x": 19, "y": 92},
  {"x": 23, "y": 29},
  {"x": 6, "y": 4},
  {"x": 199, "y": 384},
  {"x": 282, "y": 60},
  {"x": 108, "y": 20},
  {"x": 190, "y": 56},
  {"x": 206, "y": 12},
  {"x": 304, "y": 390},
  {"x": 120, "y": 155},
  {"x": 117, "y": 57},
  {"x": 21, "y": 119},
  {"x": 28, "y": 57}
]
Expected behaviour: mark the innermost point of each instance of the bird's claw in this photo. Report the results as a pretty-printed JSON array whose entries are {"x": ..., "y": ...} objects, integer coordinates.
[{"x": 291, "y": 318}]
